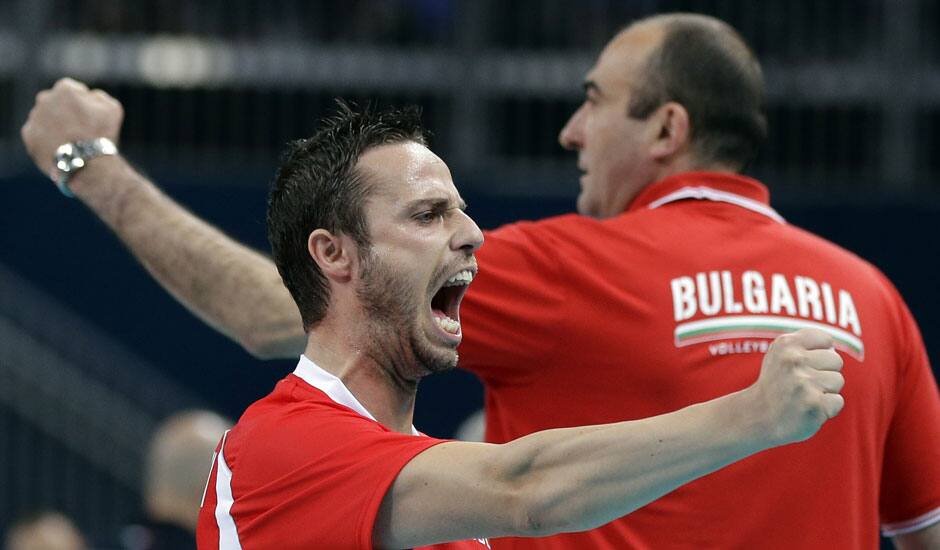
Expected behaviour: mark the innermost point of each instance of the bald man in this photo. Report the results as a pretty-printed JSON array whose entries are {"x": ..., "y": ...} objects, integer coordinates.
[{"x": 177, "y": 463}]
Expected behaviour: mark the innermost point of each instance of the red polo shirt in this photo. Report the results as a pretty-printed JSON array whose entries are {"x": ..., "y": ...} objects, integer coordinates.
[{"x": 574, "y": 321}]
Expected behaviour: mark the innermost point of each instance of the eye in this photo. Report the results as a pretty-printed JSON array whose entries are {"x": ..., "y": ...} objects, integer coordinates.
[{"x": 427, "y": 217}]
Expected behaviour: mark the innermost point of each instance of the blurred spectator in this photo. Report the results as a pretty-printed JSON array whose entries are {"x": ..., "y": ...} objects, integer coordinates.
[
  {"x": 44, "y": 531},
  {"x": 176, "y": 471}
]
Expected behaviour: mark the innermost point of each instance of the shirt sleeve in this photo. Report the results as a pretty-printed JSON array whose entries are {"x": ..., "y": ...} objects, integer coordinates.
[
  {"x": 511, "y": 310},
  {"x": 910, "y": 484},
  {"x": 315, "y": 483}
]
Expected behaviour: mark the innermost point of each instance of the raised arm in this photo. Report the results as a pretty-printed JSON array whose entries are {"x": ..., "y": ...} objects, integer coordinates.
[
  {"x": 231, "y": 287},
  {"x": 575, "y": 479}
]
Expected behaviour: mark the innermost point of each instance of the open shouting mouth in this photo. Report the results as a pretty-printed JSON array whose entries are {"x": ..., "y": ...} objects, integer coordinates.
[{"x": 445, "y": 304}]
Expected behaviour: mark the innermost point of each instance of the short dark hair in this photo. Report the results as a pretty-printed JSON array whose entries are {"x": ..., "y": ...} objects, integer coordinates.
[
  {"x": 318, "y": 186},
  {"x": 704, "y": 65}
]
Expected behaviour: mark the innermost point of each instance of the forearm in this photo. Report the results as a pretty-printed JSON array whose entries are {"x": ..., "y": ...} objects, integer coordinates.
[
  {"x": 574, "y": 479},
  {"x": 580, "y": 478},
  {"x": 561, "y": 480},
  {"x": 231, "y": 287}
]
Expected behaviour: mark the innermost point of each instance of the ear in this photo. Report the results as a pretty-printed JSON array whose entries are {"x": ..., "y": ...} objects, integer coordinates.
[
  {"x": 334, "y": 254},
  {"x": 675, "y": 131}
]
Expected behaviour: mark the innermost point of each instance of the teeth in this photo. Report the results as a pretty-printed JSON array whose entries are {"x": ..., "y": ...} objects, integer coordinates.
[
  {"x": 448, "y": 324},
  {"x": 462, "y": 278}
]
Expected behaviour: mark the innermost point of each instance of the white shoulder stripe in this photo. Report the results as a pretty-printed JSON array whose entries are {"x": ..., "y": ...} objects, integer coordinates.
[
  {"x": 333, "y": 387},
  {"x": 707, "y": 193},
  {"x": 228, "y": 535},
  {"x": 911, "y": 525}
]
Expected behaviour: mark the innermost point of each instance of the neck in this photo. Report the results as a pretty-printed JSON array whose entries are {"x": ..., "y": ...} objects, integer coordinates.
[
  {"x": 672, "y": 167},
  {"x": 379, "y": 388},
  {"x": 690, "y": 163}
]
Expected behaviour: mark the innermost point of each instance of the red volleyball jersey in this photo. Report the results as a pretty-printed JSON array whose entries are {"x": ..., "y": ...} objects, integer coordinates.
[{"x": 305, "y": 467}]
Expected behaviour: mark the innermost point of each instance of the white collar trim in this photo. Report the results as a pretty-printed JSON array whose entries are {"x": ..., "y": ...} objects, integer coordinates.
[
  {"x": 707, "y": 193},
  {"x": 332, "y": 386}
]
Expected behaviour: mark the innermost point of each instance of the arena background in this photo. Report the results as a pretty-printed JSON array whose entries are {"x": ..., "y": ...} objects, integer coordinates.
[{"x": 93, "y": 353}]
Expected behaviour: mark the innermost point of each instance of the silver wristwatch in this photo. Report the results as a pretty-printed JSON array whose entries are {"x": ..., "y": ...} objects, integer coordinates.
[{"x": 72, "y": 157}]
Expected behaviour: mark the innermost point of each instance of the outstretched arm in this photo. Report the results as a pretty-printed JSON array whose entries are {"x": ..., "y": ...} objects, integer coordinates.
[
  {"x": 574, "y": 479},
  {"x": 231, "y": 287}
]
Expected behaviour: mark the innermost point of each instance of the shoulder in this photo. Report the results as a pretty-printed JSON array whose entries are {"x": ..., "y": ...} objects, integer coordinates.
[
  {"x": 299, "y": 421},
  {"x": 527, "y": 229},
  {"x": 556, "y": 231},
  {"x": 876, "y": 297},
  {"x": 824, "y": 249}
]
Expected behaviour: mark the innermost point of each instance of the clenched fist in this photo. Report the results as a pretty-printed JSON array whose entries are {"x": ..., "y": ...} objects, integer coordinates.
[
  {"x": 798, "y": 387},
  {"x": 68, "y": 112}
]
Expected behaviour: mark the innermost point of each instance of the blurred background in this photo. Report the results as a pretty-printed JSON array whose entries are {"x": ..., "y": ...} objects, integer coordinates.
[{"x": 94, "y": 355}]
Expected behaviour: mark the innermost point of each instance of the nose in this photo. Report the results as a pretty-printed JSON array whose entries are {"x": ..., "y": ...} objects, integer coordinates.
[
  {"x": 468, "y": 236},
  {"x": 571, "y": 135}
]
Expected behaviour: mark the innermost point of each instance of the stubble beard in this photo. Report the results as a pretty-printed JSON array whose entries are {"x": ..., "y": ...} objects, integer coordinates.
[{"x": 395, "y": 339}]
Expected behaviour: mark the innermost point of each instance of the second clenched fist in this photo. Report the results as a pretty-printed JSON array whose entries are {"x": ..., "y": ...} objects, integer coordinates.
[
  {"x": 799, "y": 386},
  {"x": 68, "y": 112}
]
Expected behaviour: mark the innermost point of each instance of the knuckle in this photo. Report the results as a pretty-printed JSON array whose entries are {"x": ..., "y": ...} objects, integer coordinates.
[
  {"x": 791, "y": 357},
  {"x": 840, "y": 404},
  {"x": 802, "y": 390},
  {"x": 801, "y": 333},
  {"x": 71, "y": 85},
  {"x": 785, "y": 340},
  {"x": 838, "y": 362}
]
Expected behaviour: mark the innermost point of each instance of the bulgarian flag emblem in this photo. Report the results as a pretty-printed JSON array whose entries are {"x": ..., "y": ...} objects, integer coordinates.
[{"x": 761, "y": 326}]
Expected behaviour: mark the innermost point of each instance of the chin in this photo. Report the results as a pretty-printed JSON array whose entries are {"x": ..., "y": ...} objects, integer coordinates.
[{"x": 437, "y": 360}]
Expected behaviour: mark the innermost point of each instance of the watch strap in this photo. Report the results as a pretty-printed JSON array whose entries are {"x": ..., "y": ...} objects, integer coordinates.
[{"x": 72, "y": 157}]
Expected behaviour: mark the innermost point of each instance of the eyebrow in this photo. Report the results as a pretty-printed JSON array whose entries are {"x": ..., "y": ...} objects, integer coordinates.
[{"x": 437, "y": 203}]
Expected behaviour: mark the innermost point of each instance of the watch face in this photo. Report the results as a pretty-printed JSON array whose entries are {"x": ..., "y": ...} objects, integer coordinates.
[
  {"x": 70, "y": 157},
  {"x": 65, "y": 159}
]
